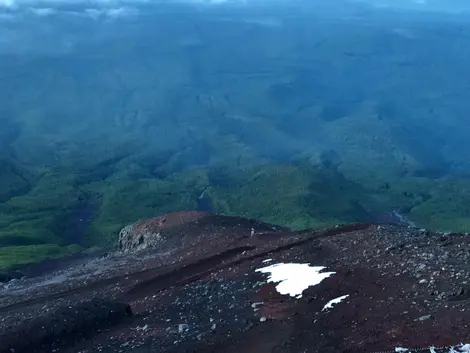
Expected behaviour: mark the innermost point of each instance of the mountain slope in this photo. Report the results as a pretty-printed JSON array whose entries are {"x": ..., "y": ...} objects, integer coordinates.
[{"x": 210, "y": 284}]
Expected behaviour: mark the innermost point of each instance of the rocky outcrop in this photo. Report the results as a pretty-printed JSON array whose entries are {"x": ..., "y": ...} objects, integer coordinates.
[
  {"x": 131, "y": 239},
  {"x": 147, "y": 234},
  {"x": 169, "y": 231}
]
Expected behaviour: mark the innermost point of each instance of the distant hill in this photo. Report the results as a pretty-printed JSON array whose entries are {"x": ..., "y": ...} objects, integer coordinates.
[{"x": 298, "y": 118}]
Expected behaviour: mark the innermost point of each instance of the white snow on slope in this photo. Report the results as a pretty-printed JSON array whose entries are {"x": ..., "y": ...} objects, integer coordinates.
[
  {"x": 294, "y": 278},
  {"x": 332, "y": 302}
]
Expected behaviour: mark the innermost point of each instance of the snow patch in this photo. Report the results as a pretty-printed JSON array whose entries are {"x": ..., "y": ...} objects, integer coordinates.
[
  {"x": 462, "y": 348},
  {"x": 294, "y": 278},
  {"x": 465, "y": 348},
  {"x": 330, "y": 304},
  {"x": 401, "y": 350}
]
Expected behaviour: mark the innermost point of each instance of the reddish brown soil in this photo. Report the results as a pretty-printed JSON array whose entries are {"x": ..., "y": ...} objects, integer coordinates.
[{"x": 406, "y": 288}]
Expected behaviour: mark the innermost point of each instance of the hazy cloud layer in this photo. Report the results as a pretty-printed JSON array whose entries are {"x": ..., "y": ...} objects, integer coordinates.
[
  {"x": 17, "y": 4},
  {"x": 121, "y": 8},
  {"x": 94, "y": 9},
  {"x": 61, "y": 26}
]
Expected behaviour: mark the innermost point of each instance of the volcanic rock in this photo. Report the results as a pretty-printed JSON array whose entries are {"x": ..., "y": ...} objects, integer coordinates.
[
  {"x": 64, "y": 325},
  {"x": 203, "y": 273},
  {"x": 146, "y": 234},
  {"x": 169, "y": 231}
]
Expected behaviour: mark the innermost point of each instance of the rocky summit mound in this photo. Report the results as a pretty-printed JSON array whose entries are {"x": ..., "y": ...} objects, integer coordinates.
[
  {"x": 183, "y": 229},
  {"x": 224, "y": 284}
]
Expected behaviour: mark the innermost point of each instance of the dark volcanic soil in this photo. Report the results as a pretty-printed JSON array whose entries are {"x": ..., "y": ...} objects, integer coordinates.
[{"x": 407, "y": 288}]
